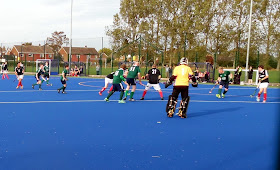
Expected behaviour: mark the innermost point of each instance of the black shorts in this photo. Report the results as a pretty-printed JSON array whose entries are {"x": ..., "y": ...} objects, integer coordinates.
[
  {"x": 118, "y": 87},
  {"x": 46, "y": 75},
  {"x": 63, "y": 81},
  {"x": 225, "y": 84},
  {"x": 184, "y": 90},
  {"x": 131, "y": 81}
]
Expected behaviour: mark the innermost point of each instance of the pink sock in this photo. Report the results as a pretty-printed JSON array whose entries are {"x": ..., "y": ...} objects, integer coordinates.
[
  {"x": 264, "y": 96},
  {"x": 102, "y": 90}
]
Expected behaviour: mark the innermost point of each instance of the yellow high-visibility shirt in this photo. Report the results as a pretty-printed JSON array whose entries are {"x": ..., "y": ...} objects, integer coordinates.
[{"x": 182, "y": 73}]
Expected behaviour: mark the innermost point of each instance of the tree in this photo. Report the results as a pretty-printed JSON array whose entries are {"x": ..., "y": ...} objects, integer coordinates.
[
  {"x": 57, "y": 40},
  {"x": 107, "y": 51}
]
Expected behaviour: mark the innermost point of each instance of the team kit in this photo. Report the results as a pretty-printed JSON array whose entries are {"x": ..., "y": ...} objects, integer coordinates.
[{"x": 180, "y": 79}]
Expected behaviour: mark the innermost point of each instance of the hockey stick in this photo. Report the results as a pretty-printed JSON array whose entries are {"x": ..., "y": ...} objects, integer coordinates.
[
  {"x": 213, "y": 88},
  {"x": 252, "y": 95}
]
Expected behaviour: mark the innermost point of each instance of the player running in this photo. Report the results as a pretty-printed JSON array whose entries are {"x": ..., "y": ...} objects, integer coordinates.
[
  {"x": 47, "y": 73},
  {"x": 133, "y": 72},
  {"x": 19, "y": 72},
  {"x": 63, "y": 79},
  {"x": 264, "y": 82},
  {"x": 117, "y": 84},
  {"x": 224, "y": 79},
  {"x": 153, "y": 76},
  {"x": 180, "y": 75},
  {"x": 5, "y": 70},
  {"x": 38, "y": 74},
  {"x": 108, "y": 80}
]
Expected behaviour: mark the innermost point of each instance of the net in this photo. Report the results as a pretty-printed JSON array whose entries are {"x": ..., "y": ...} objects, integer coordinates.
[
  {"x": 240, "y": 78},
  {"x": 53, "y": 65}
]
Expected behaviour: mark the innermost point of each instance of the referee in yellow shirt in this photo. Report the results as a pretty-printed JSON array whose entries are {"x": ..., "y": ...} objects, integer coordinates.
[{"x": 181, "y": 76}]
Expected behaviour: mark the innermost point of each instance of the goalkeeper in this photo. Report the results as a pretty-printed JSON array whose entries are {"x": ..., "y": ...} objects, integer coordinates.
[
  {"x": 181, "y": 75},
  {"x": 224, "y": 79}
]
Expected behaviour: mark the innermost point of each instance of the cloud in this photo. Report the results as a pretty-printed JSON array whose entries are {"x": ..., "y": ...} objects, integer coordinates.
[{"x": 31, "y": 20}]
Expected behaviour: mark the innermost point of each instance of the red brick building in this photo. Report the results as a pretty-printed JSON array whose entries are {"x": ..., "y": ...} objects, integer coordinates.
[
  {"x": 80, "y": 54},
  {"x": 32, "y": 53}
]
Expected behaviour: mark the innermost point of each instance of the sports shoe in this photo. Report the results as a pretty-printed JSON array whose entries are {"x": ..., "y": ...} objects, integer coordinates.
[
  {"x": 106, "y": 99},
  {"x": 218, "y": 96},
  {"x": 40, "y": 89},
  {"x": 121, "y": 101},
  {"x": 21, "y": 87},
  {"x": 32, "y": 86},
  {"x": 17, "y": 87},
  {"x": 223, "y": 95},
  {"x": 64, "y": 92},
  {"x": 124, "y": 98},
  {"x": 258, "y": 99},
  {"x": 142, "y": 98},
  {"x": 264, "y": 101},
  {"x": 58, "y": 90},
  {"x": 131, "y": 99},
  {"x": 100, "y": 93},
  {"x": 162, "y": 98}
]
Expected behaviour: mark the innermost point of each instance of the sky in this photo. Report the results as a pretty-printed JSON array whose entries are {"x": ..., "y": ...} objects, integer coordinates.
[{"x": 35, "y": 20}]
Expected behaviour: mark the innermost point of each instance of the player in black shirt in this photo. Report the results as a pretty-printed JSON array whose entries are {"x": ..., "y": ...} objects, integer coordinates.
[
  {"x": 250, "y": 75},
  {"x": 108, "y": 80},
  {"x": 19, "y": 72},
  {"x": 5, "y": 70},
  {"x": 264, "y": 82},
  {"x": 153, "y": 76},
  {"x": 38, "y": 75}
]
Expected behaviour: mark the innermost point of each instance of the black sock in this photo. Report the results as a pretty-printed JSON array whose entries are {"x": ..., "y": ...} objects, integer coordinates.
[
  {"x": 63, "y": 89},
  {"x": 224, "y": 92},
  {"x": 121, "y": 95}
]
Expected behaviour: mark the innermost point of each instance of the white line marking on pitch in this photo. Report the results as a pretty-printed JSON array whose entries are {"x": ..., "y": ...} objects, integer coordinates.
[{"x": 84, "y": 101}]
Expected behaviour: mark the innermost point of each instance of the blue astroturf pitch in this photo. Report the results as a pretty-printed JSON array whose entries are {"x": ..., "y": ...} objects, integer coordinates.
[{"x": 78, "y": 130}]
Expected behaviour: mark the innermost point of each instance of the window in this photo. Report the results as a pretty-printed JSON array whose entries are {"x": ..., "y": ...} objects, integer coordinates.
[
  {"x": 50, "y": 56},
  {"x": 30, "y": 55},
  {"x": 41, "y": 55}
]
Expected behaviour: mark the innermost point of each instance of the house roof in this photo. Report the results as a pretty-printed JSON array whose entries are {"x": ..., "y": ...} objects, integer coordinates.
[
  {"x": 81, "y": 50},
  {"x": 2, "y": 49},
  {"x": 34, "y": 49}
]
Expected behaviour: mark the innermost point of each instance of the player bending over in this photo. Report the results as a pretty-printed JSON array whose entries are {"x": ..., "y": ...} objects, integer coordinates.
[
  {"x": 38, "y": 74},
  {"x": 46, "y": 76},
  {"x": 19, "y": 72},
  {"x": 264, "y": 82},
  {"x": 180, "y": 75},
  {"x": 108, "y": 80},
  {"x": 153, "y": 76},
  {"x": 5, "y": 70},
  {"x": 133, "y": 72},
  {"x": 117, "y": 84},
  {"x": 224, "y": 79},
  {"x": 63, "y": 79}
]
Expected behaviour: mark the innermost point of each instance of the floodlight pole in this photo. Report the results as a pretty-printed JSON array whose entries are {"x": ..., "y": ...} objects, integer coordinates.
[
  {"x": 248, "y": 45},
  {"x": 70, "y": 48}
]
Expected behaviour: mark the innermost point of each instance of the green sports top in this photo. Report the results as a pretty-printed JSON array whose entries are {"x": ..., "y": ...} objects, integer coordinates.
[
  {"x": 65, "y": 71},
  {"x": 133, "y": 71},
  {"x": 118, "y": 76},
  {"x": 225, "y": 76},
  {"x": 47, "y": 69}
]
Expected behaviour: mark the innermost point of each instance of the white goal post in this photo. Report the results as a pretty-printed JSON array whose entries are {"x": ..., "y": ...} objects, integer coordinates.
[
  {"x": 43, "y": 61},
  {"x": 257, "y": 73}
]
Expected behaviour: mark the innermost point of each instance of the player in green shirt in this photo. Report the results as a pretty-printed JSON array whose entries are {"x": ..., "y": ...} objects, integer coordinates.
[
  {"x": 133, "y": 72},
  {"x": 38, "y": 77},
  {"x": 224, "y": 78},
  {"x": 63, "y": 79},
  {"x": 47, "y": 73},
  {"x": 117, "y": 84}
]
